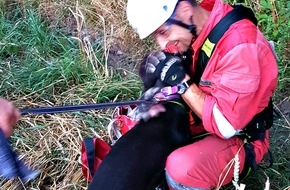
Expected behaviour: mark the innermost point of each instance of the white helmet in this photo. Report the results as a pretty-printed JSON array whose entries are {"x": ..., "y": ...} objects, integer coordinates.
[{"x": 146, "y": 16}]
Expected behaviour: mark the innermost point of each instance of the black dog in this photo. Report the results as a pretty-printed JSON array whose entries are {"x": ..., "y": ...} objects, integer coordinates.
[{"x": 137, "y": 160}]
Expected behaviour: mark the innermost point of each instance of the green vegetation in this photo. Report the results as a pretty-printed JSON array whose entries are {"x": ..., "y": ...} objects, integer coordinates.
[{"x": 61, "y": 53}]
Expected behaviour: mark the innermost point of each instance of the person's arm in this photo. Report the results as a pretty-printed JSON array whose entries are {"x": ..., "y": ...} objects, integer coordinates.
[
  {"x": 194, "y": 98},
  {"x": 240, "y": 88},
  {"x": 9, "y": 116}
]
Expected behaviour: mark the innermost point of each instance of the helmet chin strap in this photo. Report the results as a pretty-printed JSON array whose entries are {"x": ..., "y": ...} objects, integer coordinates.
[{"x": 191, "y": 28}]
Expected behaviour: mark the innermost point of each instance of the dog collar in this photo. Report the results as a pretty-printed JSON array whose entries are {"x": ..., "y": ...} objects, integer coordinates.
[{"x": 178, "y": 89}]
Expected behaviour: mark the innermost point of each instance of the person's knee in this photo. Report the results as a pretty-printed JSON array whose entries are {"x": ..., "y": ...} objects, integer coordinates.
[
  {"x": 177, "y": 165},
  {"x": 173, "y": 185},
  {"x": 189, "y": 169},
  {"x": 180, "y": 164}
]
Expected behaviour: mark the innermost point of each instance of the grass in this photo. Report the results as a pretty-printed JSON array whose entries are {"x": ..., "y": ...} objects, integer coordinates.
[
  {"x": 43, "y": 64},
  {"x": 69, "y": 52}
]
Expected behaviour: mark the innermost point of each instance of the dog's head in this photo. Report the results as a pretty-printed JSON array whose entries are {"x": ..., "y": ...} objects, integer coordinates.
[{"x": 151, "y": 86}]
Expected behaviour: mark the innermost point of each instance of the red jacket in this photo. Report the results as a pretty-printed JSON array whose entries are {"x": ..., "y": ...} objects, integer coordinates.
[{"x": 240, "y": 76}]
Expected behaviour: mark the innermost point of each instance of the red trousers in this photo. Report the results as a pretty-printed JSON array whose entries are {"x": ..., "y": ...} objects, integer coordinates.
[{"x": 206, "y": 163}]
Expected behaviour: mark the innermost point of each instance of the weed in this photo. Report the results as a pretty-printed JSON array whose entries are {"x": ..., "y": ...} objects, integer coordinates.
[{"x": 69, "y": 52}]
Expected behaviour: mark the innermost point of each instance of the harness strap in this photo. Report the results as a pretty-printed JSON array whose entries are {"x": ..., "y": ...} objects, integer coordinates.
[
  {"x": 256, "y": 128},
  {"x": 178, "y": 103},
  {"x": 90, "y": 151},
  {"x": 250, "y": 161},
  {"x": 270, "y": 160},
  {"x": 250, "y": 164},
  {"x": 238, "y": 13}
]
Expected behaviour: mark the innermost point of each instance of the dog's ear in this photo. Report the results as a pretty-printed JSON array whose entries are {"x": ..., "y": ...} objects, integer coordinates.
[{"x": 148, "y": 80}]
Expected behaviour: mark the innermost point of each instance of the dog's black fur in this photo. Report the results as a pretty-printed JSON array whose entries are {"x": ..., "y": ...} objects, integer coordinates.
[{"x": 137, "y": 160}]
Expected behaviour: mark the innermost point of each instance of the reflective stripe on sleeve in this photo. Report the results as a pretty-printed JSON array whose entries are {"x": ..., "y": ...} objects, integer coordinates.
[{"x": 224, "y": 126}]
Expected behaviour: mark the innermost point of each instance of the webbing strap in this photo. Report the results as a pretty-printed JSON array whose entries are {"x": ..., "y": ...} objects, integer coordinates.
[
  {"x": 250, "y": 164},
  {"x": 238, "y": 13},
  {"x": 90, "y": 151},
  {"x": 178, "y": 103},
  {"x": 250, "y": 161}
]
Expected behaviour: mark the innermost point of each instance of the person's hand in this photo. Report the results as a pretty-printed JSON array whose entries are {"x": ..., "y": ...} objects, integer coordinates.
[
  {"x": 150, "y": 93},
  {"x": 167, "y": 67},
  {"x": 9, "y": 116},
  {"x": 146, "y": 112},
  {"x": 147, "y": 69}
]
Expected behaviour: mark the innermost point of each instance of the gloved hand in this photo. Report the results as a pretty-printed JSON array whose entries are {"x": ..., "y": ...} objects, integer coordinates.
[
  {"x": 150, "y": 93},
  {"x": 168, "y": 68},
  {"x": 145, "y": 111},
  {"x": 146, "y": 71},
  {"x": 142, "y": 111}
]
